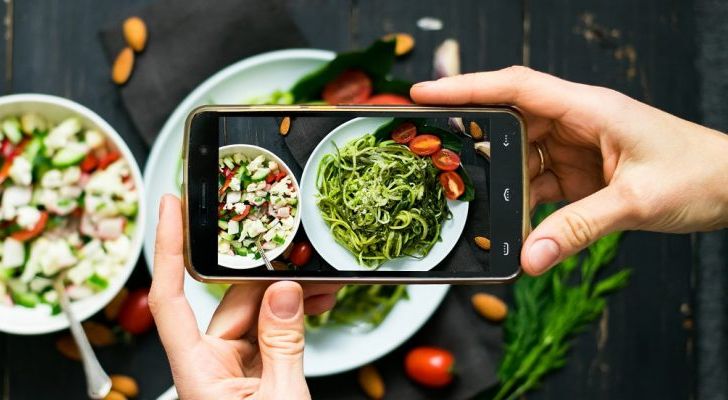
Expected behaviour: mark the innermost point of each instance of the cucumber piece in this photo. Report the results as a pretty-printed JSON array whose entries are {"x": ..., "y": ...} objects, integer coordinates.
[
  {"x": 279, "y": 239},
  {"x": 260, "y": 174},
  {"x": 32, "y": 149},
  {"x": 97, "y": 283},
  {"x": 32, "y": 123},
  {"x": 128, "y": 209},
  {"x": 129, "y": 228},
  {"x": 229, "y": 162},
  {"x": 222, "y": 224},
  {"x": 72, "y": 154},
  {"x": 11, "y": 128},
  {"x": 25, "y": 299},
  {"x": 241, "y": 251}
]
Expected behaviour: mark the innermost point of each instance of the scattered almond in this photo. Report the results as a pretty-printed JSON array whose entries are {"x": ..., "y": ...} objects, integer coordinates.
[
  {"x": 67, "y": 346},
  {"x": 99, "y": 335},
  {"x": 371, "y": 382},
  {"x": 285, "y": 126},
  {"x": 111, "y": 311},
  {"x": 135, "y": 33},
  {"x": 114, "y": 395},
  {"x": 482, "y": 242},
  {"x": 125, "y": 385},
  {"x": 475, "y": 131},
  {"x": 489, "y": 306},
  {"x": 279, "y": 265},
  {"x": 287, "y": 251},
  {"x": 123, "y": 66},
  {"x": 404, "y": 42}
]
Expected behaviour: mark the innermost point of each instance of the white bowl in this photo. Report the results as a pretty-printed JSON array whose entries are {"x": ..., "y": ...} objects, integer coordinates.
[
  {"x": 27, "y": 321},
  {"x": 242, "y": 262}
]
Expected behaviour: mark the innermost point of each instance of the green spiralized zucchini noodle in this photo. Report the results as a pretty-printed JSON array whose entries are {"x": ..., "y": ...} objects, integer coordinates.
[{"x": 380, "y": 200}]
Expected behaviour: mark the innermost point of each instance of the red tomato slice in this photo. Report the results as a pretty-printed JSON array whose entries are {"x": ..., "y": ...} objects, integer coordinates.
[
  {"x": 280, "y": 175},
  {"x": 225, "y": 185},
  {"x": 453, "y": 184},
  {"x": 28, "y": 234},
  {"x": 388, "y": 99},
  {"x": 242, "y": 215},
  {"x": 5, "y": 169},
  {"x": 404, "y": 133},
  {"x": 7, "y": 149},
  {"x": 351, "y": 87},
  {"x": 446, "y": 160},
  {"x": 270, "y": 178},
  {"x": 89, "y": 163},
  {"x": 108, "y": 159},
  {"x": 430, "y": 366},
  {"x": 424, "y": 145}
]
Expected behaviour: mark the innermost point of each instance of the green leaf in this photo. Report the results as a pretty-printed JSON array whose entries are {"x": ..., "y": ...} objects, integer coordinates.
[
  {"x": 614, "y": 282},
  {"x": 376, "y": 61}
]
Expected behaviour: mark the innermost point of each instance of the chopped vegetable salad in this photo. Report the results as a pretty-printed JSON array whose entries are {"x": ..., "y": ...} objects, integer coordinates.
[
  {"x": 257, "y": 201},
  {"x": 67, "y": 205}
]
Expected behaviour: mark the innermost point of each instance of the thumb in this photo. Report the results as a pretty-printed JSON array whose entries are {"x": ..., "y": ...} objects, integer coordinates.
[
  {"x": 281, "y": 340},
  {"x": 572, "y": 228}
]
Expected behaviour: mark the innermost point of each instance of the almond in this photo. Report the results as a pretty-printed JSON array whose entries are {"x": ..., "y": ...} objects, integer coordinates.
[
  {"x": 279, "y": 265},
  {"x": 114, "y": 395},
  {"x": 285, "y": 126},
  {"x": 123, "y": 66},
  {"x": 371, "y": 382},
  {"x": 67, "y": 346},
  {"x": 482, "y": 242},
  {"x": 125, "y": 385},
  {"x": 135, "y": 33},
  {"x": 111, "y": 311},
  {"x": 404, "y": 42},
  {"x": 489, "y": 306},
  {"x": 475, "y": 131},
  {"x": 98, "y": 334}
]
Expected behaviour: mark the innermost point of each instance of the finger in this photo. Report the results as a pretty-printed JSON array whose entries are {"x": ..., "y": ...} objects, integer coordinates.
[
  {"x": 318, "y": 304},
  {"x": 572, "y": 228},
  {"x": 535, "y": 159},
  {"x": 545, "y": 188},
  {"x": 315, "y": 289},
  {"x": 281, "y": 340},
  {"x": 172, "y": 313},
  {"x": 237, "y": 311},
  {"x": 538, "y": 93}
]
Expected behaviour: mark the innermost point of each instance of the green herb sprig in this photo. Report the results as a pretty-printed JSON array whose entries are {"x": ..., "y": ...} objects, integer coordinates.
[{"x": 550, "y": 309}]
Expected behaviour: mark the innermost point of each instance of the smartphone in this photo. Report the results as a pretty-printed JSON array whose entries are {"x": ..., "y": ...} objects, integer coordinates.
[{"x": 357, "y": 194}]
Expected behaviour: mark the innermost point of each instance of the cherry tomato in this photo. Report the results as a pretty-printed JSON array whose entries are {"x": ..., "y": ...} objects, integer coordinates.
[
  {"x": 108, "y": 159},
  {"x": 36, "y": 230},
  {"x": 430, "y": 366},
  {"x": 453, "y": 184},
  {"x": 89, "y": 163},
  {"x": 243, "y": 214},
  {"x": 388, "y": 99},
  {"x": 424, "y": 145},
  {"x": 404, "y": 133},
  {"x": 301, "y": 253},
  {"x": 351, "y": 87},
  {"x": 135, "y": 316},
  {"x": 446, "y": 160}
]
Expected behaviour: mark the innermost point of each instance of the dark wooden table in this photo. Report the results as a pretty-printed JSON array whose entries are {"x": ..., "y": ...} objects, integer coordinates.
[{"x": 643, "y": 345}]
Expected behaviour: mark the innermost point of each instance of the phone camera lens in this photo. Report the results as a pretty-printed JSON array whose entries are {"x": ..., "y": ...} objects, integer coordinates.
[{"x": 203, "y": 150}]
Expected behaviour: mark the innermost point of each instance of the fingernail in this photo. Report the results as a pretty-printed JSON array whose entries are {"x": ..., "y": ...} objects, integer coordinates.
[
  {"x": 542, "y": 255},
  {"x": 285, "y": 302},
  {"x": 161, "y": 205},
  {"x": 423, "y": 84}
]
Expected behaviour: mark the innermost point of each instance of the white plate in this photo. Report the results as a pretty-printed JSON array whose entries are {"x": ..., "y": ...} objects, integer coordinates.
[
  {"x": 318, "y": 231},
  {"x": 328, "y": 351}
]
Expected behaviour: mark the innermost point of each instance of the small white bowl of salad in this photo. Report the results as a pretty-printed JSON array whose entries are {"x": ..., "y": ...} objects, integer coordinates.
[
  {"x": 258, "y": 201},
  {"x": 70, "y": 199}
]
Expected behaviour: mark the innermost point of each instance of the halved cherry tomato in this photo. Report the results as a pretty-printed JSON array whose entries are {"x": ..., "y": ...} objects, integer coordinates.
[
  {"x": 36, "y": 230},
  {"x": 351, "y": 87},
  {"x": 239, "y": 217},
  {"x": 446, "y": 160},
  {"x": 89, "y": 163},
  {"x": 404, "y": 133},
  {"x": 135, "y": 316},
  {"x": 453, "y": 184},
  {"x": 424, "y": 145},
  {"x": 301, "y": 253},
  {"x": 388, "y": 98},
  {"x": 430, "y": 366},
  {"x": 109, "y": 158}
]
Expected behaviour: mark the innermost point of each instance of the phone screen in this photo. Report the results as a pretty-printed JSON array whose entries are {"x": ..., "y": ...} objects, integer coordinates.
[{"x": 372, "y": 195}]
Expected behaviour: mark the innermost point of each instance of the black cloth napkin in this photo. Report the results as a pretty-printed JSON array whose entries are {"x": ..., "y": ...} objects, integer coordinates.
[{"x": 190, "y": 40}]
